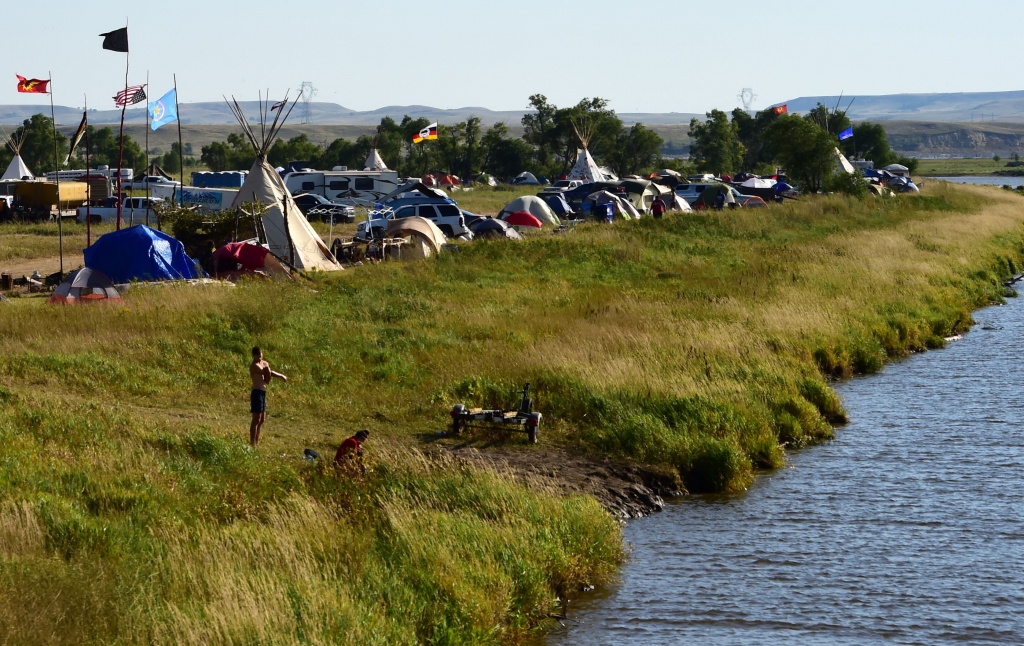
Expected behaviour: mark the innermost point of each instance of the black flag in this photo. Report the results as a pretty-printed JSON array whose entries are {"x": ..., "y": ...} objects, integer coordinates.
[
  {"x": 77, "y": 139},
  {"x": 117, "y": 40}
]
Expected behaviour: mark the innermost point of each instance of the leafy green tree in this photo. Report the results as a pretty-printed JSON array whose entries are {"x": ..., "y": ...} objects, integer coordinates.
[
  {"x": 716, "y": 146},
  {"x": 171, "y": 160},
  {"x": 637, "y": 151},
  {"x": 869, "y": 141},
  {"x": 828, "y": 120},
  {"x": 235, "y": 154},
  {"x": 806, "y": 151},
  {"x": 551, "y": 130},
  {"x": 389, "y": 142},
  {"x": 750, "y": 132},
  {"x": 419, "y": 158},
  {"x": 505, "y": 156},
  {"x": 541, "y": 129},
  {"x": 298, "y": 148},
  {"x": 37, "y": 150},
  {"x": 104, "y": 150}
]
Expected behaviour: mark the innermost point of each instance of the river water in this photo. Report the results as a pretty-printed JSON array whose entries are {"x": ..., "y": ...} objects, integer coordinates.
[
  {"x": 986, "y": 180},
  {"x": 908, "y": 528}
]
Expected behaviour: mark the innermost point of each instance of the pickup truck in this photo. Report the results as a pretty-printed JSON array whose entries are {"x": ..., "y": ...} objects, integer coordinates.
[{"x": 132, "y": 209}]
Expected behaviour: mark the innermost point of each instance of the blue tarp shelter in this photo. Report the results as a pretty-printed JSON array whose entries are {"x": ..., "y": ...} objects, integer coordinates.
[{"x": 140, "y": 253}]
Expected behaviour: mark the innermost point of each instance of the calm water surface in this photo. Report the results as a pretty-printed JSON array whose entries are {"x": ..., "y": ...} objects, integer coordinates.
[
  {"x": 994, "y": 180},
  {"x": 907, "y": 529}
]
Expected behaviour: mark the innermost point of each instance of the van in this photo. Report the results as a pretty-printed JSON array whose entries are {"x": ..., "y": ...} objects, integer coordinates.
[{"x": 351, "y": 187}]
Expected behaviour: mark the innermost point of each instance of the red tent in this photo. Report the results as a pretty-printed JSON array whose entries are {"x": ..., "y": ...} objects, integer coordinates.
[
  {"x": 236, "y": 258},
  {"x": 522, "y": 219},
  {"x": 428, "y": 180},
  {"x": 450, "y": 180}
]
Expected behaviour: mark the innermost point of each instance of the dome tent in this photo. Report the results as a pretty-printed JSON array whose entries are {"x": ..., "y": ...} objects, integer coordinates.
[
  {"x": 85, "y": 286},
  {"x": 140, "y": 253},
  {"x": 534, "y": 206}
]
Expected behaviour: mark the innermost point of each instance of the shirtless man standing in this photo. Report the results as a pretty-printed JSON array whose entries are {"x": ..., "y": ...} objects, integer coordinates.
[{"x": 261, "y": 374}]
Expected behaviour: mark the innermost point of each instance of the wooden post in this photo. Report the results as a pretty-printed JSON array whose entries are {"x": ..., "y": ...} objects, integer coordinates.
[
  {"x": 148, "y": 182},
  {"x": 56, "y": 168},
  {"x": 120, "y": 152},
  {"x": 88, "y": 182},
  {"x": 181, "y": 151}
]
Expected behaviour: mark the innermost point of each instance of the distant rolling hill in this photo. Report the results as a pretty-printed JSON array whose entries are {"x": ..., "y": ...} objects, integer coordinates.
[{"x": 964, "y": 106}]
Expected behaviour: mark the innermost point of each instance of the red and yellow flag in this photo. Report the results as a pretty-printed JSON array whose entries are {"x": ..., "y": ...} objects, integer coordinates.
[
  {"x": 32, "y": 86},
  {"x": 781, "y": 109},
  {"x": 427, "y": 134}
]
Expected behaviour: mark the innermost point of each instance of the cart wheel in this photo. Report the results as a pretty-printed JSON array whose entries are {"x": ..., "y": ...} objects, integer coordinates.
[
  {"x": 533, "y": 427},
  {"x": 457, "y": 424}
]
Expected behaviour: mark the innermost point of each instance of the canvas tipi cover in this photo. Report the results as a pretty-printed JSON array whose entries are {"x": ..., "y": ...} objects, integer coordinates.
[
  {"x": 586, "y": 168},
  {"x": 374, "y": 161},
  {"x": 17, "y": 170},
  {"x": 289, "y": 234}
]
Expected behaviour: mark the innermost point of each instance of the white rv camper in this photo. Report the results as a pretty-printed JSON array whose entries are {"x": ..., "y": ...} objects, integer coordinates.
[{"x": 353, "y": 187}]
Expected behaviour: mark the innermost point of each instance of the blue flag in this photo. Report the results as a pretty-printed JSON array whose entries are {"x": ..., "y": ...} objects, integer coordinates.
[
  {"x": 164, "y": 110},
  {"x": 846, "y": 134}
]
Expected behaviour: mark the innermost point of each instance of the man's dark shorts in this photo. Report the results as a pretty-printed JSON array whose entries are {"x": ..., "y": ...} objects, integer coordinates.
[{"x": 258, "y": 401}]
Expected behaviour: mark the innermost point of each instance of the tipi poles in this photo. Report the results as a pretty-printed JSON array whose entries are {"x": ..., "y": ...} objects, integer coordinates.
[
  {"x": 120, "y": 152},
  {"x": 149, "y": 206},
  {"x": 88, "y": 183},
  {"x": 56, "y": 168},
  {"x": 181, "y": 151}
]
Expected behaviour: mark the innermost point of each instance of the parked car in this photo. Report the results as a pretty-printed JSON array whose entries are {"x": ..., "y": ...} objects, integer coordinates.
[
  {"x": 144, "y": 182},
  {"x": 704, "y": 178},
  {"x": 318, "y": 207},
  {"x": 444, "y": 213},
  {"x": 561, "y": 186},
  {"x": 135, "y": 209}
]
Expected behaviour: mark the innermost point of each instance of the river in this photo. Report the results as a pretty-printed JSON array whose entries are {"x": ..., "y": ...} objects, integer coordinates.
[
  {"x": 908, "y": 528},
  {"x": 986, "y": 180}
]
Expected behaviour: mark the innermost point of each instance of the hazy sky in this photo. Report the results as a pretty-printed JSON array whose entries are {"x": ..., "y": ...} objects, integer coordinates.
[{"x": 642, "y": 56}]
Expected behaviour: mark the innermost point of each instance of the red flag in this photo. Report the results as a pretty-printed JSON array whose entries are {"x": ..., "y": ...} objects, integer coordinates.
[
  {"x": 781, "y": 109},
  {"x": 32, "y": 86}
]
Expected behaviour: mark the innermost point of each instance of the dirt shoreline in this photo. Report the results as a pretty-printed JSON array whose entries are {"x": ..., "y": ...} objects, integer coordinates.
[{"x": 628, "y": 490}]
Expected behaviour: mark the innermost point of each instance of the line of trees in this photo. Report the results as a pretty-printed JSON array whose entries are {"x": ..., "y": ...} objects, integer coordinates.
[
  {"x": 803, "y": 145},
  {"x": 547, "y": 147}
]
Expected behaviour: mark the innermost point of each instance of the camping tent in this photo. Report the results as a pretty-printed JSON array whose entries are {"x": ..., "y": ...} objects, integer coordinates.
[
  {"x": 757, "y": 182},
  {"x": 585, "y": 168},
  {"x": 526, "y": 179},
  {"x": 17, "y": 168},
  {"x": 424, "y": 238},
  {"x": 535, "y": 207},
  {"x": 620, "y": 207},
  {"x": 85, "y": 286},
  {"x": 484, "y": 178},
  {"x": 558, "y": 205},
  {"x": 140, "y": 253},
  {"x": 287, "y": 232},
  {"x": 237, "y": 258},
  {"x": 492, "y": 228},
  {"x": 707, "y": 196},
  {"x": 843, "y": 165},
  {"x": 374, "y": 161},
  {"x": 412, "y": 189},
  {"x": 898, "y": 169},
  {"x": 671, "y": 201},
  {"x": 522, "y": 219}
]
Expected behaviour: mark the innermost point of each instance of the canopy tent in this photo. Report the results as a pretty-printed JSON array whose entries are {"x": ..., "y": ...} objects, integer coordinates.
[
  {"x": 522, "y": 219},
  {"x": 237, "y": 258},
  {"x": 843, "y": 165},
  {"x": 424, "y": 238},
  {"x": 707, "y": 196},
  {"x": 526, "y": 179},
  {"x": 17, "y": 168},
  {"x": 374, "y": 161},
  {"x": 620, "y": 207},
  {"x": 535, "y": 207},
  {"x": 85, "y": 286},
  {"x": 140, "y": 253},
  {"x": 492, "y": 228},
  {"x": 558, "y": 205},
  {"x": 286, "y": 231}
]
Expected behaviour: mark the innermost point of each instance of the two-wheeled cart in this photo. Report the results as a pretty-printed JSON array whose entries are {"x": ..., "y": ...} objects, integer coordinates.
[{"x": 523, "y": 419}]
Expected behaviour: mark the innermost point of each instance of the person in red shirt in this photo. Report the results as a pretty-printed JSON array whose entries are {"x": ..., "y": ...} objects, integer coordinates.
[
  {"x": 658, "y": 208},
  {"x": 352, "y": 450}
]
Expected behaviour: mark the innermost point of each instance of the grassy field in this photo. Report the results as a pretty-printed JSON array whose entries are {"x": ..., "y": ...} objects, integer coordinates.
[
  {"x": 132, "y": 511},
  {"x": 954, "y": 167}
]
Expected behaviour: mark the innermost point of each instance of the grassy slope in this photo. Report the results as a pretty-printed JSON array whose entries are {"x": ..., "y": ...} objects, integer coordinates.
[
  {"x": 133, "y": 510},
  {"x": 954, "y": 167}
]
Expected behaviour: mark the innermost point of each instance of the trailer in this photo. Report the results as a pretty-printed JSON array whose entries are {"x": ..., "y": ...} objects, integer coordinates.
[
  {"x": 36, "y": 200},
  {"x": 351, "y": 187},
  {"x": 210, "y": 199},
  {"x": 522, "y": 418}
]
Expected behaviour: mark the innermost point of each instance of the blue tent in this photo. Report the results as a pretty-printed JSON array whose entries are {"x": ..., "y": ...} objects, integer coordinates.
[
  {"x": 559, "y": 205},
  {"x": 140, "y": 253}
]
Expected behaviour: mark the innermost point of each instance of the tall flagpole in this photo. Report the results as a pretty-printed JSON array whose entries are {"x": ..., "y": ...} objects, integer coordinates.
[
  {"x": 148, "y": 178},
  {"x": 88, "y": 181},
  {"x": 181, "y": 151},
  {"x": 56, "y": 167},
  {"x": 120, "y": 153}
]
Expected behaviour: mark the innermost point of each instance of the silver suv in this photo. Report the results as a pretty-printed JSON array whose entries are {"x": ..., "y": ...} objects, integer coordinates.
[{"x": 447, "y": 217}]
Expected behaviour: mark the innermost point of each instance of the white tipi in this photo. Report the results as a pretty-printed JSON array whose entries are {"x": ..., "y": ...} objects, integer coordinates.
[
  {"x": 586, "y": 168},
  {"x": 288, "y": 233},
  {"x": 17, "y": 168},
  {"x": 374, "y": 161}
]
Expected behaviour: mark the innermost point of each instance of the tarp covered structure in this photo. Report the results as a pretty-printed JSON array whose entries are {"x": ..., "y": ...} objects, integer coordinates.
[
  {"x": 898, "y": 169},
  {"x": 757, "y": 182},
  {"x": 558, "y": 205},
  {"x": 535, "y": 206},
  {"x": 237, "y": 258},
  {"x": 620, "y": 207},
  {"x": 412, "y": 189},
  {"x": 424, "y": 238},
  {"x": 85, "y": 286},
  {"x": 140, "y": 253},
  {"x": 492, "y": 228}
]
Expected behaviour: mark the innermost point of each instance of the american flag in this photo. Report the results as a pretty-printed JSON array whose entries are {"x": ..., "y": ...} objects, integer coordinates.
[{"x": 130, "y": 96}]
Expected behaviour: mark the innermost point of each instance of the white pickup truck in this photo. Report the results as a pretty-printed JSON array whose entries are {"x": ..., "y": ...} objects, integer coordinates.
[{"x": 133, "y": 209}]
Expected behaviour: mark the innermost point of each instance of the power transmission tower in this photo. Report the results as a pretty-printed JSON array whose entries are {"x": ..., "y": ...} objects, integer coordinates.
[
  {"x": 307, "y": 92},
  {"x": 747, "y": 98}
]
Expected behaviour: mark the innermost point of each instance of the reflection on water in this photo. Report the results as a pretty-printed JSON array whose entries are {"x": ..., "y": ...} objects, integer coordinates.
[{"x": 908, "y": 528}]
